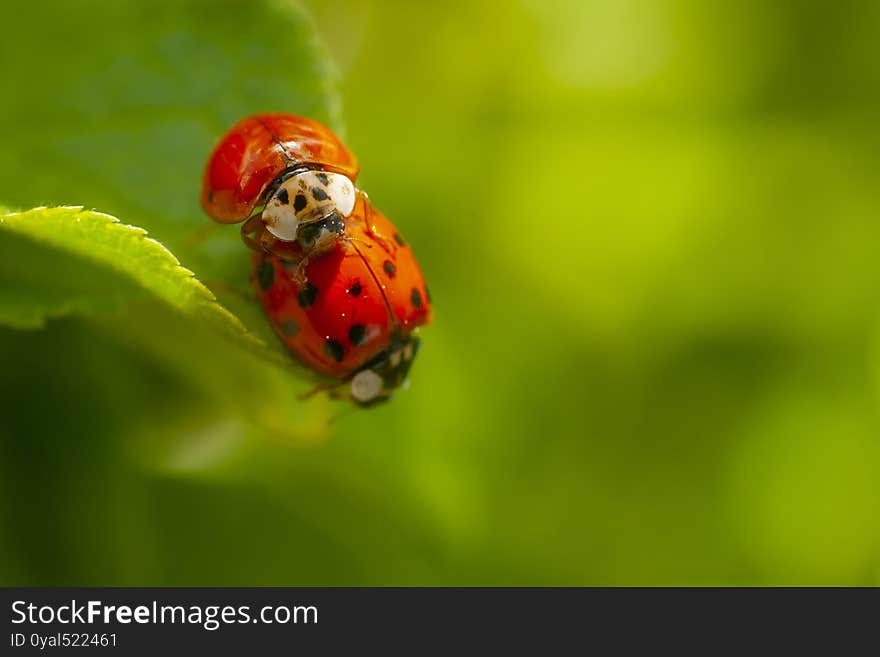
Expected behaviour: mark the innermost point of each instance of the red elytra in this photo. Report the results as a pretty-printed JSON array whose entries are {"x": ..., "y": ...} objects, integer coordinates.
[
  {"x": 362, "y": 297},
  {"x": 256, "y": 150}
]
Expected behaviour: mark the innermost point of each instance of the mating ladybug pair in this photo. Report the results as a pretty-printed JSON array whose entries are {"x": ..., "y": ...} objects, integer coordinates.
[{"x": 339, "y": 284}]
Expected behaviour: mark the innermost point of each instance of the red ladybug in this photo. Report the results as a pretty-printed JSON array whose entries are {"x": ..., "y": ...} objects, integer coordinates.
[
  {"x": 256, "y": 151},
  {"x": 354, "y": 319},
  {"x": 290, "y": 177},
  {"x": 338, "y": 283}
]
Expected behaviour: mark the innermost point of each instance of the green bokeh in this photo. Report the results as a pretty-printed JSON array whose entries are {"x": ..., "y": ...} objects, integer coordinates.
[{"x": 650, "y": 233}]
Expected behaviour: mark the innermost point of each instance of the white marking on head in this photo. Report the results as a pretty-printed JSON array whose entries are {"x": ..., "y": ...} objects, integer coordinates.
[
  {"x": 366, "y": 385},
  {"x": 305, "y": 198}
]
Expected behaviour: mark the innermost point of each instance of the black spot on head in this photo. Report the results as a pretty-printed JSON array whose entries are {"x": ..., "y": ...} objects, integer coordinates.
[
  {"x": 416, "y": 297},
  {"x": 306, "y": 296},
  {"x": 283, "y": 197},
  {"x": 266, "y": 275},
  {"x": 319, "y": 194},
  {"x": 356, "y": 334},
  {"x": 389, "y": 268},
  {"x": 299, "y": 203},
  {"x": 356, "y": 289},
  {"x": 323, "y": 178},
  {"x": 399, "y": 240},
  {"x": 334, "y": 350},
  {"x": 289, "y": 328}
]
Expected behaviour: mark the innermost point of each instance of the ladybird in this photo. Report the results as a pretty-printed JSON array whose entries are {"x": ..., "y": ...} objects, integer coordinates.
[
  {"x": 355, "y": 319},
  {"x": 289, "y": 178}
]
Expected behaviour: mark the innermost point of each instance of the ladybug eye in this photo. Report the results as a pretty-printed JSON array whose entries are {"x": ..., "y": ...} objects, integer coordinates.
[
  {"x": 366, "y": 385},
  {"x": 307, "y": 197}
]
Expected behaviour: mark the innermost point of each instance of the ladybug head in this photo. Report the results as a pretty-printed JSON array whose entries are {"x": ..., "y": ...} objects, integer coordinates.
[
  {"x": 381, "y": 377},
  {"x": 308, "y": 205},
  {"x": 321, "y": 235}
]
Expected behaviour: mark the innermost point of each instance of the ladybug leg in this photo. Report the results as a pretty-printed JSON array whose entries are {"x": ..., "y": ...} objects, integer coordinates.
[
  {"x": 257, "y": 238},
  {"x": 299, "y": 273},
  {"x": 252, "y": 233},
  {"x": 342, "y": 413},
  {"x": 302, "y": 261},
  {"x": 325, "y": 386},
  {"x": 358, "y": 240},
  {"x": 383, "y": 241},
  {"x": 370, "y": 229},
  {"x": 386, "y": 243}
]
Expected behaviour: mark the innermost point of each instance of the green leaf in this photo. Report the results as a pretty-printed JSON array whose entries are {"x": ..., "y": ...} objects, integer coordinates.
[
  {"x": 111, "y": 263},
  {"x": 66, "y": 261},
  {"x": 116, "y": 106}
]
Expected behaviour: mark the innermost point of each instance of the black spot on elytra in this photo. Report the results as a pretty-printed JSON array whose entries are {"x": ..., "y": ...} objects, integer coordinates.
[
  {"x": 319, "y": 194},
  {"x": 210, "y": 196},
  {"x": 283, "y": 197},
  {"x": 399, "y": 240},
  {"x": 389, "y": 268},
  {"x": 356, "y": 289},
  {"x": 266, "y": 275},
  {"x": 334, "y": 350},
  {"x": 306, "y": 296},
  {"x": 416, "y": 297},
  {"x": 323, "y": 178},
  {"x": 299, "y": 202},
  {"x": 357, "y": 333},
  {"x": 289, "y": 328}
]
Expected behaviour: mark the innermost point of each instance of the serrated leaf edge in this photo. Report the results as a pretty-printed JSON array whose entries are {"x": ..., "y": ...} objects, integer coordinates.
[{"x": 221, "y": 318}]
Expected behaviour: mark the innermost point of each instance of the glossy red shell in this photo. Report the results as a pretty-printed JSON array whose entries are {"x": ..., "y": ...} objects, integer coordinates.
[
  {"x": 257, "y": 150},
  {"x": 358, "y": 295}
]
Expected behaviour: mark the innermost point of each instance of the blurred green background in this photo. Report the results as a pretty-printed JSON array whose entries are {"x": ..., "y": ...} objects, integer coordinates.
[{"x": 650, "y": 232}]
